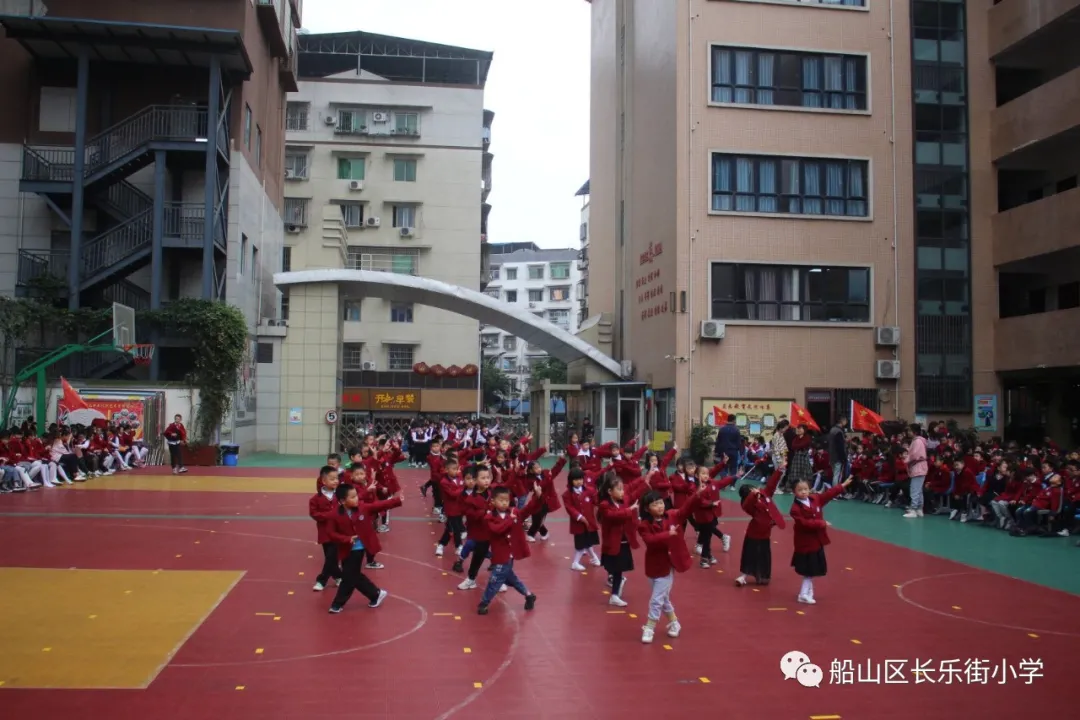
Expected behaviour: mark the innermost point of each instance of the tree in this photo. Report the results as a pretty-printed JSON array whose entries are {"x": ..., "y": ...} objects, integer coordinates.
[
  {"x": 495, "y": 383},
  {"x": 549, "y": 368}
]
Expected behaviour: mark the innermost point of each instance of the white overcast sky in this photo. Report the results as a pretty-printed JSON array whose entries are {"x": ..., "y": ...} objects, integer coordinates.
[{"x": 538, "y": 88}]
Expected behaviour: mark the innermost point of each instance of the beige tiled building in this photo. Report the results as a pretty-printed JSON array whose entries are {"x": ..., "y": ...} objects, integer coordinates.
[{"x": 824, "y": 201}]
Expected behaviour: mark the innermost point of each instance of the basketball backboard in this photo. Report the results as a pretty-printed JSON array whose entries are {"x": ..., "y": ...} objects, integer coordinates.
[{"x": 123, "y": 325}]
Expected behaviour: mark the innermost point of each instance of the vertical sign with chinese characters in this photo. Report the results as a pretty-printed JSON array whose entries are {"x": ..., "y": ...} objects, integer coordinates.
[{"x": 650, "y": 286}]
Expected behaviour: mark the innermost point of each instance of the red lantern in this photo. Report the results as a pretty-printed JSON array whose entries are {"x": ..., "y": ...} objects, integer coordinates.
[
  {"x": 453, "y": 371},
  {"x": 470, "y": 371},
  {"x": 438, "y": 370},
  {"x": 421, "y": 368}
]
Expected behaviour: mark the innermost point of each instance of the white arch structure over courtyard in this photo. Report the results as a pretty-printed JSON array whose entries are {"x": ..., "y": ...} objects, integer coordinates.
[{"x": 424, "y": 291}]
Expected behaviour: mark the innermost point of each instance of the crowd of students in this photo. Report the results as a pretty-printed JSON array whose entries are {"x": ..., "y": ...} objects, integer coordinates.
[
  {"x": 494, "y": 497},
  {"x": 68, "y": 455}
]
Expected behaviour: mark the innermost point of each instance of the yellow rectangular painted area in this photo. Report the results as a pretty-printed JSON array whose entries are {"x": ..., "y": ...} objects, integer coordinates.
[
  {"x": 95, "y": 629},
  {"x": 199, "y": 483}
]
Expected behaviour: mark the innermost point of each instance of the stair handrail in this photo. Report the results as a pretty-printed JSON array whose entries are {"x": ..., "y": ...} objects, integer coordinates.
[
  {"x": 106, "y": 137},
  {"x": 130, "y": 199},
  {"x": 142, "y": 224}
]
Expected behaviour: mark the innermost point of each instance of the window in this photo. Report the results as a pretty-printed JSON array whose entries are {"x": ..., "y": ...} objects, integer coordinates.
[
  {"x": 744, "y": 76},
  {"x": 264, "y": 353},
  {"x": 536, "y": 296},
  {"x": 352, "y": 310},
  {"x": 406, "y": 123},
  {"x": 560, "y": 318},
  {"x": 296, "y": 165},
  {"x": 403, "y": 261},
  {"x": 507, "y": 364},
  {"x": 790, "y": 186},
  {"x": 404, "y": 216},
  {"x": 285, "y": 305},
  {"x": 665, "y": 409},
  {"x": 352, "y": 356},
  {"x": 56, "y": 111},
  {"x": 296, "y": 116},
  {"x": 509, "y": 342},
  {"x": 351, "y": 122},
  {"x": 790, "y": 293},
  {"x": 399, "y": 357},
  {"x": 296, "y": 211},
  {"x": 560, "y": 271},
  {"x": 559, "y": 294},
  {"x": 494, "y": 274},
  {"x": 401, "y": 312},
  {"x": 258, "y": 146},
  {"x": 353, "y": 214},
  {"x": 404, "y": 170},
  {"x": 243, "y": 253},
  {"x": 247, "y": 126},
  {"x": 511, "y": 296},
  {"x": 492, "y": 293},
  {"x": 489, "y": 342},
  {"x": 511, "y": 273},
  {"x": 286, "y": 258},
  {"x": 536, "y": 272},
  {"x": 350, "y": 168}
]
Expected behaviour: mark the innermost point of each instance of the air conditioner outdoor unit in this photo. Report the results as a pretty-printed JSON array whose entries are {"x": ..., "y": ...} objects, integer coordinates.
[
  {"x": 888, "y": 370},
  {"x": 356, "y": 185},
  {"x": 380, "y": 117},
  {"x": 330, "y": 120},
  {"x": 290, "y": 174},
  {"x": 712, "y": 330},
  {"x": 887, "y": 336},
  {"x": 292, "y": 229},
  {"x": 369, "y": 366},
  {"x": 407, "y": 232},
  {"x": 372, "y": 222}
]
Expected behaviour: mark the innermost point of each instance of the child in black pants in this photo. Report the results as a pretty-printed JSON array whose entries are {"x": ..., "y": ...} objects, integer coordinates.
[
  {"x": 322, "y": 507},
  {"x": 355, "y": 537}
]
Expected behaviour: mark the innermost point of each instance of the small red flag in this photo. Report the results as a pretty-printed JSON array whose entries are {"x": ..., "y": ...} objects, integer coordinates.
[
  {"x": 863, "y": 419},
  {"x": 71, "y": 399},
  {"x": 719, "y": 416},
  {"x": 799, "y": 416}
]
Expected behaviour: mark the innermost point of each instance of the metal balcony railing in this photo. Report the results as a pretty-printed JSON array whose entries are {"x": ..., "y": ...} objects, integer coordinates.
[
  {"x": 48, "y": 163},
  {"x": 160, "y": 123},
  {"x": 127, "y": 200},
  {"x": 118, "y": 243},
  {"x": 37, "y": 266},
  {"x": 185, "y": 221}
]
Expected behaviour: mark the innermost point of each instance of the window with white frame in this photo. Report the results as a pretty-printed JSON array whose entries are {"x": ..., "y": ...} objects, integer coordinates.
[
  {"x": 507, "y": 364},
  {"x": 536, "y": 296},
  {"x": 511, "y": 296},
  {"x": 748, "y": 76},
  {"x": 560, "y": 318},
  {"x": 296, "y": 164},
  {"x": 401, "y": 312},
  {"x": 509, "y": 342},
  {"x": 559, "y": 294},
  {"x": 286, "y": 258},
  {"x": 352, "y": 356},
  {"x": 790, "y": 293},
  {"x": 494, "y": 274},
  {"x": 790, "y": 185},
  {"x": 402, "y": 261},
  {"x": 351, "y": 122},
  {"x": 536, "y": 272},
  {"x": 399, "y": 357},
  {"x": 492, "y": 293},
  {"x": 560, "y": 271},
  {"x": 352, "y": 310},
  {"x": 511, "y": 273},
  {"x": 406, "y": 123},
  {"x": 353, "y": 214},
  {"x": 405, "y": 216},
  {"x": 404, "y": 170},
  {"x": 296, "y": 211},
  {"x": 296, "y": 115},
  {"x": 489, "y": 342},
  {"x": 351, "y": 168}
]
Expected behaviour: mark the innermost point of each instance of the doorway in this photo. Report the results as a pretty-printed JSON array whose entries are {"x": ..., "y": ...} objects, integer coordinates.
[
  {"x": 819, "y": 403},
  {"x": 629, "y": 413}
]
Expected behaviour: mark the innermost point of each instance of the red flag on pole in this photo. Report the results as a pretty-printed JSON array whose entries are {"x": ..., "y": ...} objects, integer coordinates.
[
  {"x": 71, "y": 399},
  {"x": 799, "y": 416},
  {"x": 863, "y": 419},
  {"x": 719, "y": 416}
]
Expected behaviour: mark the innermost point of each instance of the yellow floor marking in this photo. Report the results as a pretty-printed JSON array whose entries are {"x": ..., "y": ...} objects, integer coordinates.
[
  {"x": 264, "y": 614},
  {"x": 445, "y": 574},
  {"x": 824, "y": 717},
  {"x": 776, "y": 609},
  {"x": 309, "y": 557},
  {"x": 1, "y": 683},
  {"x": 46, "y": 649},
  {"x": 277, "y": 617},
  {"x": 847, "y": 568},
  {"x": 179, "y": 556},
  {"x": 239, "y": 687},
  {"x": 633, "y": 616},
  {"x": 127, "y": 592},
  {"x": 799, "y": 612},
  {"x": 757, "y": 590},
  {"x": 449, "y": 592},
  {"x": 616, "y": 612},
  {"x": 92, "y": 617},
  {"x": 704, "y": 680},
  {"x": 584, "y": 572},
  {"x": 1032, "y": 635},
  {"x": 203, "y": 483},
  {"x": 301, "y": 574},
  {"x": 258, "y": 651},
  {"x": 468, "y": 651},
  {"x": 457, "y": 617},
  {"x": 856, "y": 642},
  {"x": 198, "y": 541},
  {"x": 720, "y": 571},
  {"x": 668, "y": 647},
  {"x": 442, "y": 614},
  {"x": 957, "y": 607},
  {"x": 290, "y": 592}
]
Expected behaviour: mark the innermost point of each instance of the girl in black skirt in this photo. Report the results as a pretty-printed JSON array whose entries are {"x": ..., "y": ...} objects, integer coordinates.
[
  {"x": 617, "y": 512},
  {"x": 756, "y": 561},
  {"x": 580, "y": 504},
  {"x": 811, "y": 535}
]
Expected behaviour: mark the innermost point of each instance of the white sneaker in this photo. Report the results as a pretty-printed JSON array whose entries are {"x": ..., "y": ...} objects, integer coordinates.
[
  {"x": 319, "y": 587},
  {"x": 963, "y": 517},
  {"x": 674, "y": 629},
  {"x": 503, "y": 588},
  {"x": 577, "y": 567},
  {"x": 727, "y": 543},
  {"x": 594, "y": 561},
  {"x": 458, "y": 551},
  {"x": 953, "y": 514},
  {"x": 616, "y": 601},
  {"x": 697, "y": 549},
  {"x": 530, "y": 538},
  {"x": 647, "y": 634},
  {"x": 713, "y": 561},
  {"x": 807, "y": 600},
  {"x": 740, "y": 581},
  {"x": 438, "y": 550},
  {"x": 543, "y": 536},
  {"x": 1063, "y": 533},
  {"x": 467, "y": 584},
  {"x": 911, "y": 514}
]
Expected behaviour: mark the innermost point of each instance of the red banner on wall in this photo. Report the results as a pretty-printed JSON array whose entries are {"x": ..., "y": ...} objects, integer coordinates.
[{"x": 117, "y": 411}]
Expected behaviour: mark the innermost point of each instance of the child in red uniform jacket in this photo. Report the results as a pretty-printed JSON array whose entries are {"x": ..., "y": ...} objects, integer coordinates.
[
  {"x": 964, "y": 486},
  {"x": 353, "y": 532},
  {"x": 452, "y": 487},
  {"x": 1045, "y": 501},
  {"x": 176, "y": 437},
  {"x": 617, "y": 513},
  {"x": 507, "y": 545},
  {"x": 683, "y": 481},
  {"x": 322, "y": 507},
  {"x": 665, "y": 554},
  {"x": 656, "y": 471},
  {"x": 546, "y": 479},
  {"x": 811, "y": 535},
  {"x": 756, "y": 560},
  {"x": 706, "y": 517},
  {"x": 479, "y": 543},
  {"x": 580, "y": 504}
]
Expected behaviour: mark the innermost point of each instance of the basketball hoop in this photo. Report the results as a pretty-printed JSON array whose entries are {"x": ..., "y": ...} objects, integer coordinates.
[{"x": 141, "y": 354}]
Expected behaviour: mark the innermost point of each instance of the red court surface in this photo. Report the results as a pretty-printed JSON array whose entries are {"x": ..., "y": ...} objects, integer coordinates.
[{"x": 270, "y": 650}]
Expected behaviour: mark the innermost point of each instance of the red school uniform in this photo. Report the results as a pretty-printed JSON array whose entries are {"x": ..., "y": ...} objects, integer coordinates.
[
  {"x": 763, "y": 511},
  {"x": 476, "y": 508},
  {"x": 810, "y": 533},
  {"x": 547, "y": 484},
  {"x": 176, "y": 431},
  {"x": 665, "y": 552},
  {"x": 709, "y": 507},
  {"x": 508, "y": 534},
  {"x": 581, "y": 507},
  {"x": 1049, "y": 498},
  {"x": 965, "y": 483},
  {"x": 344, "y": 524},
  {"x": 321, "y": 509},
  {"x": 452, "y": 490},
  {"x": 618, "y": 521}
]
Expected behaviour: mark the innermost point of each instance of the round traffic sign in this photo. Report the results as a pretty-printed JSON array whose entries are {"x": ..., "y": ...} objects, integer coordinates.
[{"x": 331, "y": 417}]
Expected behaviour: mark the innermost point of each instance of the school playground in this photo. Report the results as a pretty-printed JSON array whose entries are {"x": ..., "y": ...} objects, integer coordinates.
[{"x": 157, "y": 596}]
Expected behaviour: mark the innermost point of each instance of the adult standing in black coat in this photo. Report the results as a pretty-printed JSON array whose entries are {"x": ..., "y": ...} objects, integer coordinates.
[{"x": 729, "y": 442}]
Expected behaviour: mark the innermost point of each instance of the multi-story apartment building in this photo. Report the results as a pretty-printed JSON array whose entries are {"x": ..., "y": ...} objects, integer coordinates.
[
  {"x": 581, "y": 291},
  {"x": 390, "y": 135},
  {"x": 541, "y": 281},
  {"x": 141, "y": 161},
  {"x": 846, "y": 201}
]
